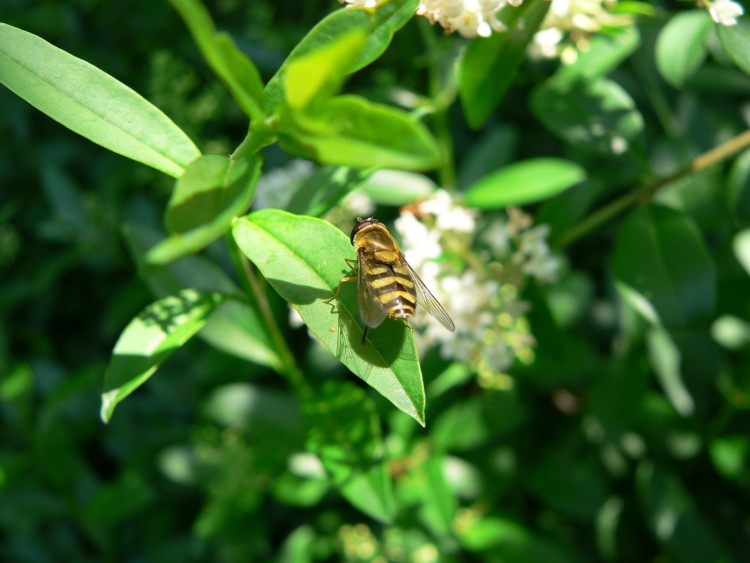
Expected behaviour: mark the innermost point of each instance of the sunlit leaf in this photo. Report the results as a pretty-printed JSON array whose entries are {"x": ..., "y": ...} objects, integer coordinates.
[
  {"x": 524, "y": 182},
  {"x": 91, "y": 103},
  {"x": 213, "y": 191},
  {"x": 150, "y": 338},
  {"x": 303, "y": 260},
  {"x": 350, "y": 131},
  {"x": 378, "y": 24},
  {"x": 236, "y": 326},
  {"x": 736, "y": 42},
  {"x": 229, "y": 63},
  {"x": 681, "y": 47}
]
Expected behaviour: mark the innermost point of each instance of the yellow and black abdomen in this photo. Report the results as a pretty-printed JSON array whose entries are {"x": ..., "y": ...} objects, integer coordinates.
[{"x": 392, "y": 286}]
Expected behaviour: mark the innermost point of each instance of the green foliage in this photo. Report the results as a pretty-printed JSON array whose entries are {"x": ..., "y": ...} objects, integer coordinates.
[{"x": 618, "y": 430}]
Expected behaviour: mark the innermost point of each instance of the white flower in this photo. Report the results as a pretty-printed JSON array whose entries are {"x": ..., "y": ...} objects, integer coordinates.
[
  {"x": 448, "y": 215},
  {"x": 726, "y": 12}
]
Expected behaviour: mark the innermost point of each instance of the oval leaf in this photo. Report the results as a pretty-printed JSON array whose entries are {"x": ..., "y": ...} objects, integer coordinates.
[
  {"x": 236, "y": 326},
  {"x": 663, "y": 269},
  {"x": 303, "y": 260},
  {"x": 351, "y": 452},
  {"x": 213, "y": 191},
  {"x": 524, "y": 182},
  {"x": 155, "y": 334},
  {"x": 91, "y": 103},
  {"x": 378, "y": 24},
  {"x": 490, "y": 64},
  {"x": 229, "y": 63},
  {"x": 597, "y": 115},
  {"x": 681, "y": 46},
  {"x": 736, "y": 42},
  {"x": 350, "y": 131}
]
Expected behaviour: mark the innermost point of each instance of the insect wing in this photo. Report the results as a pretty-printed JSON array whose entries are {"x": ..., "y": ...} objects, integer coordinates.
[
  {"x": 371, "y": 311},
  {"x": 428, "y": 301}
]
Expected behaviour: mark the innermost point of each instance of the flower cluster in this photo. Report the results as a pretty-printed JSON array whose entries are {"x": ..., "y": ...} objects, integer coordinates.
[
  {"x": 569, "y": 24},
  {"x": 725, "y": 12},
  {"x": 476, "y": 268}
]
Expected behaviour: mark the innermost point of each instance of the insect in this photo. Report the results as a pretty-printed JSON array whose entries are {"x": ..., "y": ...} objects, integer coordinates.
[{"x": 386, "y": 285}]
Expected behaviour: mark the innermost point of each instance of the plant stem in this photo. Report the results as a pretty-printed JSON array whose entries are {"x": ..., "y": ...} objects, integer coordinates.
[
  {"x": 257, "y": 296},
  {"x": 645, "y": 193}
]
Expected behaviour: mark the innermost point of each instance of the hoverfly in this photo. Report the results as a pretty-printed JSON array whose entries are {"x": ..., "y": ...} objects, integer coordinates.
[{"x": 386, "y": 285}]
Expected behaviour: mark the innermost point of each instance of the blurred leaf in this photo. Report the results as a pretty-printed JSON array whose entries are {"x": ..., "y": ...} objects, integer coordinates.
[
  {"x": 603, "y": 54},
  {"x": 524, "y": 182},
  {"x": 154, "y": 335},
  {"x": 597, "y": 115},
  {"x": 325, "y": 189},
  {"x": 344, "y": 431},
  {"x": 672, "y": 516},
  {"x": 91, "y": 103},
  {"x": 569, "y": 484},
  {"x": 731, "y": 332},
  {"x": 738, "y": 187},
  {"x": 501, "y": 539},
  {"x": 490, "y": 64},
  {"x": 439, "y": 505},
  {"x": 666, "y": 360},
  {"x": 731, "y": 457},
  {"x": 319, "y": 73},
  {"x": 741, "y": 247},
  {"x": 460, "y": 427},
  {"x": 229, "y": 63},
  {"x": 681, "y": 46},
  {"x": 303, "y": 260},
  {"x": 298, "y": 546},
  {"x": 212, "y": 192},
  {"x": 663, "y": 269},
  {"x": 736, "y": 41},
  {"x": 350, "y": 131},
  {"x": 608, "y": 526},
  {"x": 378, "y": 24},
  {"x": 397, "y": 188},
  {"x": 235, "y": 327}
]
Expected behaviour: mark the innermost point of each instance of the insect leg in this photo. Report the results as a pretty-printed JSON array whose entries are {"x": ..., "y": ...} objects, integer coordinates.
[{"x": 349, "y": 278}]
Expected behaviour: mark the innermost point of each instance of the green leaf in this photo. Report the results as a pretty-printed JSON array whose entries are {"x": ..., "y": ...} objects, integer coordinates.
[
  {"x": 320, "y": 73},
  {"x": 675, "y": 521},
  {"x": 378, "y": 24},
  {"x": 490, "y": 64},
  {"x": 666, "y": 359},
  {"x": 350, "y": 131},
  {"x": 212, "y": 192},
  {"x": 681, "y": 46},
  {"x": 439, "y": 504},
  {"x": 344, "y": 431},
  {"x": 397, "y": 188},
  {"x": 603, "y": 54},
  {"x": 663, "y": 269},
  {"x": 597, "y": 115},
  {"x": 325, "y": 188},
  {"x": 524, "y": 182},
  {"x": 736, "y": 42},
  {"x": 229, "y": 63},
  {"x": 738, "y": 187},
  {"x": 741, "y": 247},
  {"x": 303, "y": 260},
  {"x": 236, "y": 327},
  {"x": 155, "y": 334},
  {"x": 91, "y": 103}
]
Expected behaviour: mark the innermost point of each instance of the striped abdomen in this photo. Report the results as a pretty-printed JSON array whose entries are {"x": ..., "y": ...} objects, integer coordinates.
[{"x": 393, "y": 288}]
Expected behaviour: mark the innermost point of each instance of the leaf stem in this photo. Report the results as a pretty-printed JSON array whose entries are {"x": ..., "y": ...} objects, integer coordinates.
[
  {"x": 645, "y": 193},
  {"x": 257, "y": 138},
  {"x": 257, "y": 295}
]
